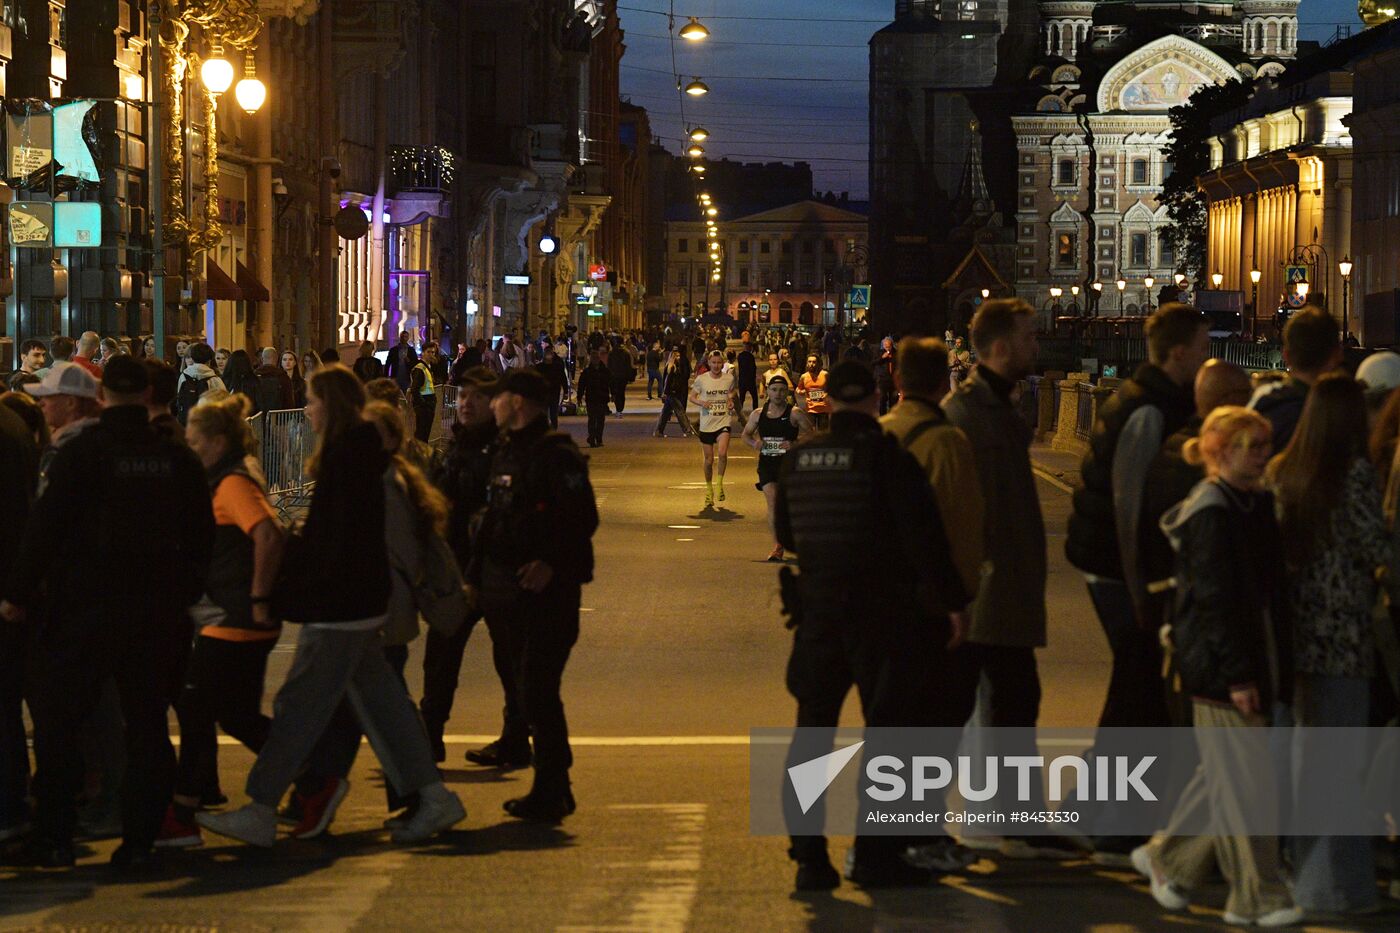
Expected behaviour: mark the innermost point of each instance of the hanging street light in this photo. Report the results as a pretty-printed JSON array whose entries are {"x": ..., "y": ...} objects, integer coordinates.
[
  {"x": 699, "y": 134},
  {"x": 250, "y": 92},
  {"x": 694, "y": 31},
  {"x": 695, "y": 151},
  {"x": 216, "y": 72},
  {"x": 697, "y": 88}
]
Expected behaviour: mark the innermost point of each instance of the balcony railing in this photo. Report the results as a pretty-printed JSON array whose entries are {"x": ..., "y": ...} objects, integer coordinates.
[{"x": 420, "y": 168}]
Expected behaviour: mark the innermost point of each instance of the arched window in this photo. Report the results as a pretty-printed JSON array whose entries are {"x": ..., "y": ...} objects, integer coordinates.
[
  {"x": 1052, "y": 42},
  {"x": 1067, "y": 40},
  {"x": 1271, "y": 36}
]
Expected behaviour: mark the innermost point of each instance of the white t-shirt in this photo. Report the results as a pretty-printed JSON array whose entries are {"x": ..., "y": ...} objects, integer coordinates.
[{"x": 714, "y": 393}]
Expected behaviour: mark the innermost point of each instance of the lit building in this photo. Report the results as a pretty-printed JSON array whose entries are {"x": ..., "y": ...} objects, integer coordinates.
[
  {"x": 1375, "y": 233},
  {"x": 1280, "y": 189},
  {"x": 1089, "y": 155},
  {"x": 798, "y": 259}
]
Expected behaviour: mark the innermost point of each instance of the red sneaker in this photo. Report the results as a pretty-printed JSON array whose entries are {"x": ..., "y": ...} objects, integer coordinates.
[
  {"x": 175, "y": 833},
  {"x": 318, "y": 809}
]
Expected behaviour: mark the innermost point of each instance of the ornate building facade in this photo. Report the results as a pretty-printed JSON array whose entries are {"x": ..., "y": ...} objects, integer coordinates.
[{"x": 1089, "y": 154}]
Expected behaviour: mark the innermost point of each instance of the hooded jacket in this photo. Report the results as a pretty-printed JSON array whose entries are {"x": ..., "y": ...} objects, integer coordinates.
[{"x": 1225, "y": 627}]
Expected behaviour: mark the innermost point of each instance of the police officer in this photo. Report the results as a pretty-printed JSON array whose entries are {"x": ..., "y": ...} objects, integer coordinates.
[
  {"x": 462, "y": 478},
  {"x": 531, "y": 557},
  {"x": 876, "y": 588},
  {"x": 117, "y": 548}
]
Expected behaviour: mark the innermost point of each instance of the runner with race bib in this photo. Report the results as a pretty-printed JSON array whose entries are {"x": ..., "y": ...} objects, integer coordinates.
[
  {"x": 714, "y": 391},
  {"x": 811, "y": 392},
  {"x": 772, "y": 430}
]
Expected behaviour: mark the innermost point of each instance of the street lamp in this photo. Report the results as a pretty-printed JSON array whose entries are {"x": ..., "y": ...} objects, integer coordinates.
[
  {"x": 699, "y": 134},
  {"x": 695, "y": 151},
  {"x": 216, "y": 72},
  {"x": 1147, "y": 283},
  {"x": 694, "y": 31},
  {"x": 1303, "y": 289},
  {"x": 1254, "y": 276},
  {"x": 697, "y": 88},
  {"x": 986, "y": 293},
  {"x": 1121, "y": 284},
  {"x": 250, "y": 92},
  {"x": 1216, "y": 278},
  {"x": 1344, "y": 267},
  {"x": 1179, "y": 278}
]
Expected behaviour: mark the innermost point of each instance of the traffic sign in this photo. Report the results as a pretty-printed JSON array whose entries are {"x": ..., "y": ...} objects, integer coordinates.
[
  {"x": 1296, "y": 274},
  {"x": 1295, "y": 300},
  {"x": 765, "y": 307},
  {"x": 859, "y": 297}
]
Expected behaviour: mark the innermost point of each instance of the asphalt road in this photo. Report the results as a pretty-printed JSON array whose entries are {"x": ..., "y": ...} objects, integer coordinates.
[{"x": 682, "y": 652}]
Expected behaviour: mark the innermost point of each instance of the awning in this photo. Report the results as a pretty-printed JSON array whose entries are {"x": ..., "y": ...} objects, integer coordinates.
[
  {"x": 218, "y": 286},
  {"x": 248, "y": 283}
]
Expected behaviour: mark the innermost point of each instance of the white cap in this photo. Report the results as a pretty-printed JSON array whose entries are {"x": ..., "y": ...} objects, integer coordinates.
[
  {"x": 1380, "y": 371},
  {"x": 65, "y": 379}
]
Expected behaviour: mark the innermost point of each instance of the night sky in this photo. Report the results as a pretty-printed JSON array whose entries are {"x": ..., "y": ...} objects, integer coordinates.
[{"x": 752, "y": 115}]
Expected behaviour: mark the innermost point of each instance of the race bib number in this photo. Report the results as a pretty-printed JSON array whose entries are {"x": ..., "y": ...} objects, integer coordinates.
[
  {"x": 816, "y": 395},
  {"x": 773, "y": 447}
]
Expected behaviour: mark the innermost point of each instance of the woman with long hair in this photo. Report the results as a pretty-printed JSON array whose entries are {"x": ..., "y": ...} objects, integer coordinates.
[
  {"x": 235, "y": 632},
  {"x": 238, "y": 375},
  {"x": 292, "y": 368},
  {"x": 1334, "y": 538},
  {"x": 1228, "y": 645},
  {"x": 336, "y": 584},
  {"x": 310, "y": 362},
  {"x": 414, "y": 510},
  {"x": 675, "y": 392}
]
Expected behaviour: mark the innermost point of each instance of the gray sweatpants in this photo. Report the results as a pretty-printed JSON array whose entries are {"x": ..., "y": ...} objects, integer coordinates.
[{"x": 331, "y": 664}]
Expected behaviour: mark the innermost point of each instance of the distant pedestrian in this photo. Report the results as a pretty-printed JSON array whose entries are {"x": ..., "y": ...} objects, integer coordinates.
[
  {"x": 772, "y": 431},
  {"x": 292, "y": 368},
  {"x": 552, "y": 368},
  {"x": 1311, "y": 349},
  {"x": 367, "y": 366},
  {"x": 423, "y": 393},
  {"x": 595, "y": 391},
  {"x": 402, "y": 358},
  {"x": 623, "y": 371},
  {"x": 196, "y": 379},
  {"x": 272, "y": 387}
]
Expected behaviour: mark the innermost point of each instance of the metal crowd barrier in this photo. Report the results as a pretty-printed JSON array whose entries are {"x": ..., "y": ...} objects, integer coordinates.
[
  {"x": 286, "y": 440},
  {"x": 1084, "y": 410}
]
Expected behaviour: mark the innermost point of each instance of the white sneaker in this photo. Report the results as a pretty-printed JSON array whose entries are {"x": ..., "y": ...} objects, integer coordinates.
[
  {"x": 438, "y": 809},
  {"x": 943, "y": 855},
  {"x": 255, "y": 824},
  {"x": 1168, "y": 895},
  {"x": 1283, "y": 917}
]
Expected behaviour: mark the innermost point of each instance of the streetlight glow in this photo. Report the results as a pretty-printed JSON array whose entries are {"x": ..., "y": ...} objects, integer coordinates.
[
  {"x": 1098, "y": 286},
  {"x": 986, "y": 293},
  {"x": 216, "y": 72},
  {"x": 1122, "y": 284},
  {"x": 1179, "y": 278},
  {"x": 697, "y": 88},
  {"x": 694, "y": 31},
  {"x": 1216, "y": 278},
  {"x": 1255, "y": 275},
  {"x": 1345, "y": 266},
  {"x": 1149, "y": 281},
  {"x": 699, "y": 134},
  {"x": 695, "y": 151}
]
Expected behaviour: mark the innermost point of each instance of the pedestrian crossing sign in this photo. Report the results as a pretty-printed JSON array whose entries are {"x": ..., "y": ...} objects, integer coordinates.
[
  {"x": 1296, "y": 274},
  {"x": 859, "y": 297}
]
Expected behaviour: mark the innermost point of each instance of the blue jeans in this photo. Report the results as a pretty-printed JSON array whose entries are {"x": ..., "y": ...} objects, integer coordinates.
[{"x": 1331, "y": 873}]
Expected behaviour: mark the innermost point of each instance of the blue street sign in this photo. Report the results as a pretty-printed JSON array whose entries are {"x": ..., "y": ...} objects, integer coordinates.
[{"x": 859, "y": 297}]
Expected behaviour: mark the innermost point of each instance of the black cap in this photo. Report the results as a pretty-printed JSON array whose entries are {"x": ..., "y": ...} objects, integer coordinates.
[
  {"x": 480, "y": 379},
  {"x": 529, "y": 385},
  {"x": 850, "y": 382},
  {"x": 125, "y": 375}
]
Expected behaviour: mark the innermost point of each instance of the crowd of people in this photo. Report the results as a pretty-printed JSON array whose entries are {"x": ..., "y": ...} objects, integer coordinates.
[
  {"x": 1235, "y": 534},
  {"x": 144, "y": 569}
]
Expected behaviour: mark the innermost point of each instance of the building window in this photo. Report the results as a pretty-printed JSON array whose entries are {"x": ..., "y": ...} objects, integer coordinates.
[
  {"x": 1064, "y": 249},
  {"x": 1137, "y": 250},
  {"x": 1139, "y": 171},
  {"x": 700, "y": 246},
  {"x": 829, "y": 247},
  {"x": 743, "y": 276},
  {"x": 787, "y": 247},
  {"x": 744, "y": 246},
  {"x": 1166, "y": 255},
  {"x": 765, "y": 247},
  {"x": 683, "y": 246},
  {"x": 682, "y": 277},
  {"x": 808, "y": 247},
  {"x": 1066, "y": 172}
]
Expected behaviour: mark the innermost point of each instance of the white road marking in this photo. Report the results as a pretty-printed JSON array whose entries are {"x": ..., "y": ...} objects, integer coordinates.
[
  {"x": 685, "y": 539},
  {"x": 682, "y": 527},
  {"x": 661, "y": 889}
]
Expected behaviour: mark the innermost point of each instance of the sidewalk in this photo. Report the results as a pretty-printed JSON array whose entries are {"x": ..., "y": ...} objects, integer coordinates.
[{"x": 1058, "y": 467}]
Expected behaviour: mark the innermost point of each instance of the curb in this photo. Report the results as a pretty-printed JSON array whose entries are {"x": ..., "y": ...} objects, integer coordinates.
[{"x": 1053, "y": 478}]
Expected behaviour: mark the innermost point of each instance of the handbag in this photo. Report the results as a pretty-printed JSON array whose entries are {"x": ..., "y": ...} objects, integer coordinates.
[{"x": 441, "y": 595}]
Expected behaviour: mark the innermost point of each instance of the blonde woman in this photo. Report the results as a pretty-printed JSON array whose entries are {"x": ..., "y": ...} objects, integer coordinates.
[
  {"x": 336, "y": 584},
  {"x": 1226, "y": 636}
]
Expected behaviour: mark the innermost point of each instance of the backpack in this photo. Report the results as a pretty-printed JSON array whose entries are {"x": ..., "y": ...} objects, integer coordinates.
[
  {"x": 188, "y": 397},
  {"x": 267, "y": 393}
]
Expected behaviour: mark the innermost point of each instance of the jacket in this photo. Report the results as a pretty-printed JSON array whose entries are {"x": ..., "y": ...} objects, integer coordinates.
[
  {"x": 337, "y": 570},
  {"x": 946, "y": 455},
  {"x": 595, "y": 386},
  {"x": 368, "y": 368},
  {"x": 861, "y": 517},
  {"x": 273, "y": 390},
  {"x": 124, "y": 523},
  {"x": 1282, "y": 403},
  {"x": 228, "y": 595},
  {"x": 201, "y": 371},
  {"x": 620, "y": 364},
  {"x": 1107, "y": 509},
  {"x": 1010, "y": 606},
  {"x": 1170, "y": 479},
  {"x": 539, "y": 506},
  {"x": 401, "y": 360},
  {"x": 1330, "y": 597},
  {"x": 402, "y": 541},
  {"x": 462, "y": 477},
  {"x": 1225, "y": 629}
]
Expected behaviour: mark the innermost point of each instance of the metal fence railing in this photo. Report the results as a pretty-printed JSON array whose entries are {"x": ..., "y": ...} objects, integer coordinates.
[
  {"x": 1084, "y": 410},
  {"x": 286, "y": 440},
  {"x": 1127, "y": 353}
]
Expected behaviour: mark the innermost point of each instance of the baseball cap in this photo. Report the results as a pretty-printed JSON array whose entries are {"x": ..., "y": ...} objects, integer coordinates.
[
  {"x": 1380, "y": 371},
  {"x": 850, "y": 382},
  {"x": 125, "y": 375},
  {"x": 529, "y": 385},
  {"x": 65, "y": 379}
]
